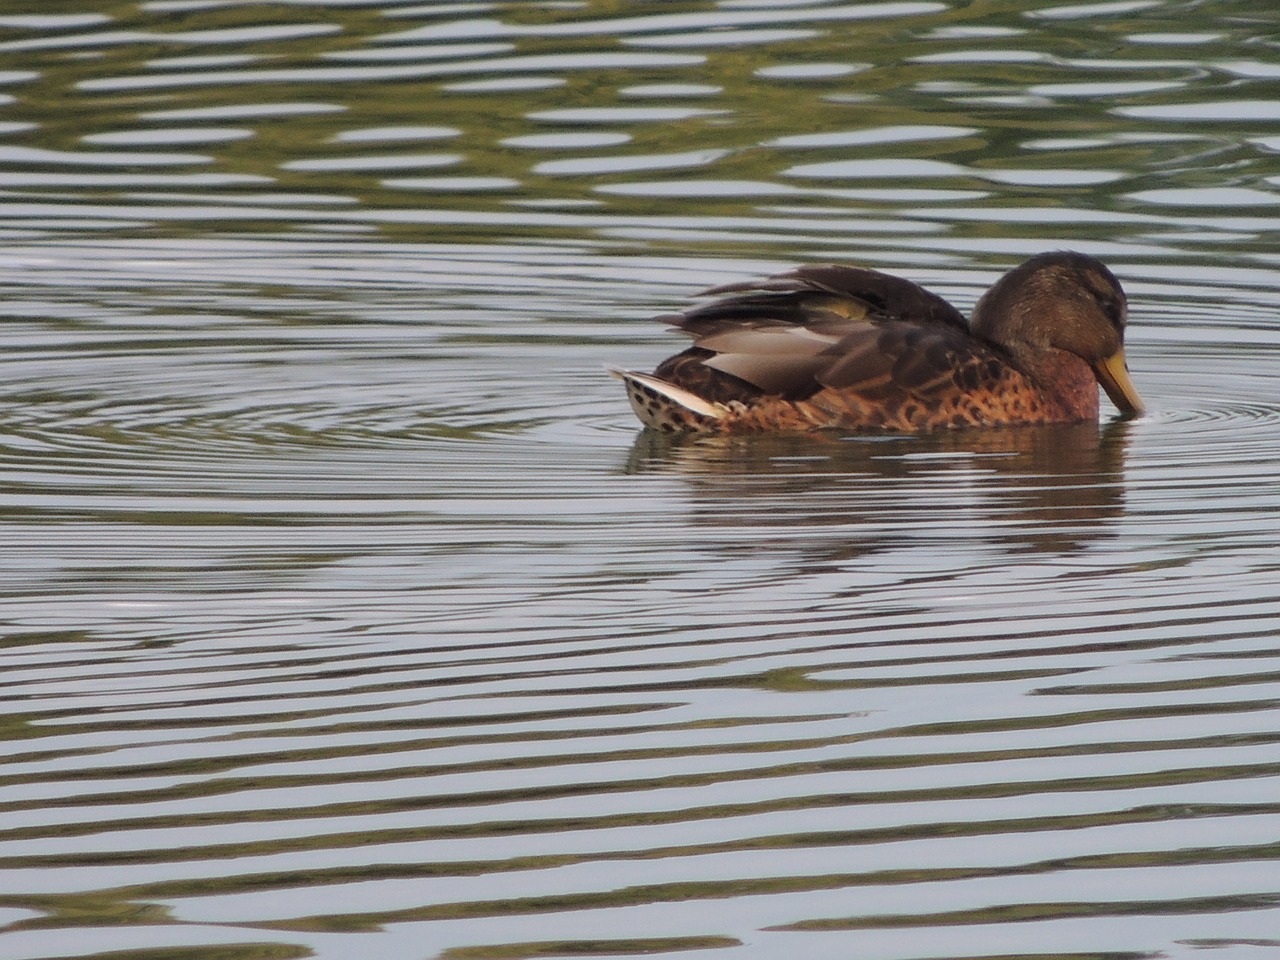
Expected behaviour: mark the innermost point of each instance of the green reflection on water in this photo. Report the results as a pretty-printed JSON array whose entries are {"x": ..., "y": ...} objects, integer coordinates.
[{"x": 1044, "y": 97}]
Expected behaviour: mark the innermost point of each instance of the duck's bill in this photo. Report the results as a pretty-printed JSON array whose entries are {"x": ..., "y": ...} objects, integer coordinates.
[{"x": 1113, "y": 374}]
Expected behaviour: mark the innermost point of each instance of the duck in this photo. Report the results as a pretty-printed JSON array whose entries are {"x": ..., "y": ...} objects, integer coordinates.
[{"x": 832, "y": 346}]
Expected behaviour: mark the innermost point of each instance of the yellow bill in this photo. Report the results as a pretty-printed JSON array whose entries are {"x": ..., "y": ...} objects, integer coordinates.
[{"x": 1113, "y": 374}]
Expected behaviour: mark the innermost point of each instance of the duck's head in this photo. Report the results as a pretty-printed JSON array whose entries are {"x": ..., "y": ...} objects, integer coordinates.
[{"x": 1063, "y": 301}]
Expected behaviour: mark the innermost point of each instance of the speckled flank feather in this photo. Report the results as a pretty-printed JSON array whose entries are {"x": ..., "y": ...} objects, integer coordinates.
[{"x": 1007, "y": 398}]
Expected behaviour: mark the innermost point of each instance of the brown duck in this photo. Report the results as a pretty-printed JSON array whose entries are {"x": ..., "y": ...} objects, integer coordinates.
[{"x": 851, "y": 348}]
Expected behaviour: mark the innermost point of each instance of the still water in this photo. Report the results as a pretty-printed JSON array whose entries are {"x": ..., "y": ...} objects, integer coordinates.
[{"x": 346, "y": 612}]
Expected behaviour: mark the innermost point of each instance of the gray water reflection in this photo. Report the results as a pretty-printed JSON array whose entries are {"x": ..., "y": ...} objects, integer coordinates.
[
  {"x": 344, "y": 610},
  {"x": 1045, "y": 488}
]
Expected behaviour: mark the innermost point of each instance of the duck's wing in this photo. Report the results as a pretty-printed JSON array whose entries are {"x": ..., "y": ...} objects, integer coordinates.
[
  {"x": 829, "y": 326},
  {"x": 879, "y": 295}
]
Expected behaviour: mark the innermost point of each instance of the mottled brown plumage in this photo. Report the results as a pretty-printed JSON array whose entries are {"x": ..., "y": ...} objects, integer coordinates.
[{"x": 847, "y": 347}]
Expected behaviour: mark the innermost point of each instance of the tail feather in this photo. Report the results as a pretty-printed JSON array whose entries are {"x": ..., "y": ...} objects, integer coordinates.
[{"x": 661, "y": 404}]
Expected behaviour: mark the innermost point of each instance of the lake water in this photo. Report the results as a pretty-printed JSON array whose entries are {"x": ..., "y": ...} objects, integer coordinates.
[{"x": 346, "y": 612}]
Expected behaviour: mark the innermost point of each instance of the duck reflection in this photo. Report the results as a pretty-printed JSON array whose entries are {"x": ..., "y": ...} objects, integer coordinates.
[{"x": 1043, "y": 487}]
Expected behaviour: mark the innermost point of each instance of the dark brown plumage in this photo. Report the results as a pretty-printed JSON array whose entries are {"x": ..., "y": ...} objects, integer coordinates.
[{"x": 847, "y": 347}]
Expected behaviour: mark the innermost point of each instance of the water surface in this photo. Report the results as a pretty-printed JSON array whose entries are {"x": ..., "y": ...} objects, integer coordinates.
[{"x": 345, "y": 610}]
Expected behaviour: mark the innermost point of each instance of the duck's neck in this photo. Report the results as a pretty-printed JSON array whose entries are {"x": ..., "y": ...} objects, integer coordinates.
[{"x": 1066, "y": 380}]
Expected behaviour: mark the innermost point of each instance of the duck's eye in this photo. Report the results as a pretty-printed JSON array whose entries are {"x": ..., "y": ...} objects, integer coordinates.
[{"x": 1112, "y": 305}]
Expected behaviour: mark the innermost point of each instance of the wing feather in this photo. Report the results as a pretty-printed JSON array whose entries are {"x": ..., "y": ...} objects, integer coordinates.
[
  {"x": 849, "y": 328},
  {"x": 902, "y": 362},
  {"x": 881, "y": 295}
]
